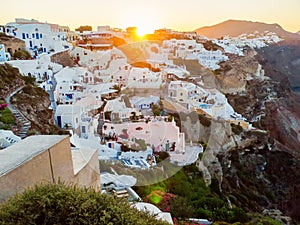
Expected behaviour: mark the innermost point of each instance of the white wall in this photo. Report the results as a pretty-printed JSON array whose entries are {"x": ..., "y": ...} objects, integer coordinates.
[{"x": 4, "y": 56}]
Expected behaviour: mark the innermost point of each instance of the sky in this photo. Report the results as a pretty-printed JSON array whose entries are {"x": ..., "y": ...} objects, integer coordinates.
[{"x": 148, "y": 15}]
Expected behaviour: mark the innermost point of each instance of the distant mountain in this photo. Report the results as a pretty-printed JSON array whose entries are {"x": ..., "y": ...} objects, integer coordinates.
[{"x": 235, "y": 28}]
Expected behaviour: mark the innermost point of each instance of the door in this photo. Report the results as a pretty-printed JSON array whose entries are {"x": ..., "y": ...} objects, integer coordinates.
[{"x": 59, "y": 121}]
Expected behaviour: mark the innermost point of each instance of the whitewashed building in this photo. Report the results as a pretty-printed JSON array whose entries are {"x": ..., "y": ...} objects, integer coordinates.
[
  {"x": 144, "y": 78},
  {"x": 38, "y": 37},
  {"x": 119, "y": 111},
  {"x": 142, "y": 103},
  {"x": 70, "y": 84},
  {"x": 41, "y": 69},
  {"x": 4, "y": 56},
  {"x": 8, "y": 138},
  {"x": 68, "y": 116},
  {"x": 158, "y": 133}
]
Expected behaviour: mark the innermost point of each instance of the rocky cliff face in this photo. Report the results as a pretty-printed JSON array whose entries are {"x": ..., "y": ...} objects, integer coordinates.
[
  {"x": 34, "y": 103},
  {"x": 262, "y": 176},
  {"x": 258, "y": 170},
  {"x": 10, "y": 79},
  {"x": 234, "y": 73},
  {"x": 64, "y": 58}
]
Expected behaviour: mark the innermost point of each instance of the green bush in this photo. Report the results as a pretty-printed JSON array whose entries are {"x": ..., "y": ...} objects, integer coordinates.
[
  {"x": 61, "y": 204},
  {"x": 180, "y": 207},
  {"x": 6, "y": 117}
]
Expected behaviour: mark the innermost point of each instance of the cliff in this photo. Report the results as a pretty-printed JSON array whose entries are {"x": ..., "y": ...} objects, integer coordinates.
[{"x": 34, "y": 103}]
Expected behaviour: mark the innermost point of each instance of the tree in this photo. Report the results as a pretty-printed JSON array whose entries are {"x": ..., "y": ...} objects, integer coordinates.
[
  {"x": 84, "y": 28},
  {"x": 61, "y": 204}
]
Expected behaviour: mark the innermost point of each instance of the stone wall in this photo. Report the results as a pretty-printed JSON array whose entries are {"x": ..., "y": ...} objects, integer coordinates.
[
  {"x": 89, "y": 175},
  {"x": 45, "y": 158},
  {"x": 37, "y": 170},
  {"x": 63, "y": 58}
]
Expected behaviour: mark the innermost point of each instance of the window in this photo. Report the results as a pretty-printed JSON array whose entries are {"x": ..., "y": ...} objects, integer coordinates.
[
  {"x": 32, "y": 35},
  {"x": 41, "y": 35}
]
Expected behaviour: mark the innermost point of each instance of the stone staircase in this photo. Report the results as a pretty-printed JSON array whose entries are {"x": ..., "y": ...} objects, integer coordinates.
[{"x": 23, "y": 124}]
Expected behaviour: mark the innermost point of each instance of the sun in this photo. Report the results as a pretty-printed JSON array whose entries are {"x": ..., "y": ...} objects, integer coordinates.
[
  {"x": 142, "y": 30},
  {"x": 142, "y": 19}
]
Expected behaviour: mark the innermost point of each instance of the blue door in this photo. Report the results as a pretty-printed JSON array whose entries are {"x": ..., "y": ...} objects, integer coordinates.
[{"x": 59, "y": 121}]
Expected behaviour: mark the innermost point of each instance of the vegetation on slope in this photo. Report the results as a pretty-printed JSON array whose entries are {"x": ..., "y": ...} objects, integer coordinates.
[
  {"x": 61, "y": 204},
  {"x": 186, "y": 195},
  {"x": 6, "y": 118}
]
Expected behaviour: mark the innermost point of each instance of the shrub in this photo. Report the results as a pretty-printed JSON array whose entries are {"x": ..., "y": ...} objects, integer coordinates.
[
  {"x": 61, "y": 204},
  {"x": 180, "y": 207},
  {"x": 7, "y": 117}
]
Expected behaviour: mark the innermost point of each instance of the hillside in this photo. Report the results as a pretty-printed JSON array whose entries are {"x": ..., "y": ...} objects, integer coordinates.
[
  {"x": 235, "y": 28},
  {"x": 9, "y": 80},
  {"x": 33, "y": 102}
]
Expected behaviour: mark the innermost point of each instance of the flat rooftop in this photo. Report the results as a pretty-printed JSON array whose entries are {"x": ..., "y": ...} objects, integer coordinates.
[
  {"x": 25, "y": 150},
  {"x": 81, "y": 157}
]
